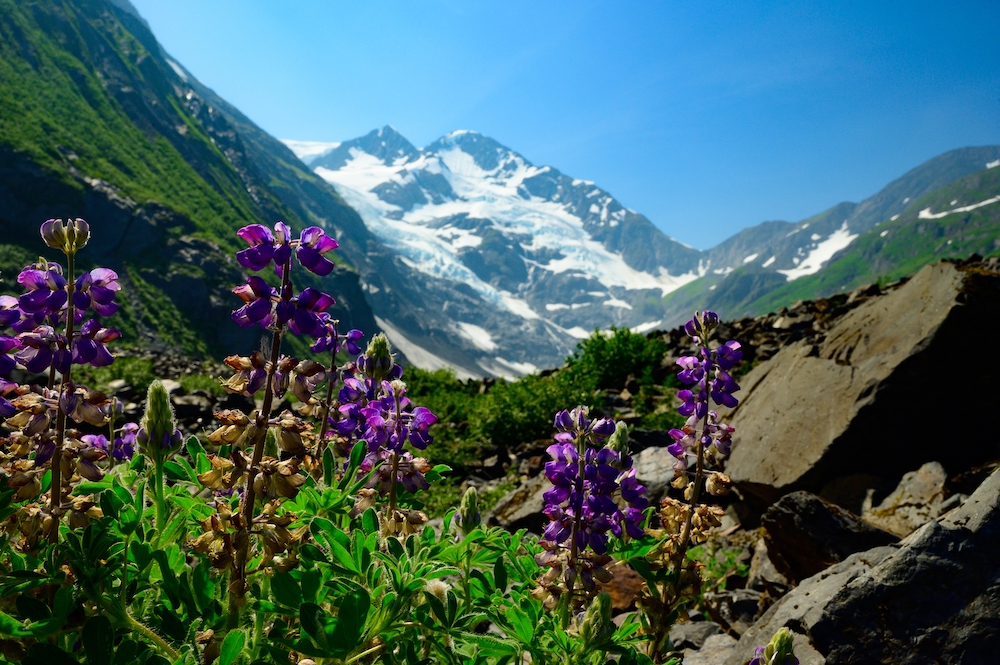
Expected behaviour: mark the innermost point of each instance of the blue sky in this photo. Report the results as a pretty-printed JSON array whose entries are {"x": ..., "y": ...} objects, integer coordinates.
[{"x": 707, "y": 117}]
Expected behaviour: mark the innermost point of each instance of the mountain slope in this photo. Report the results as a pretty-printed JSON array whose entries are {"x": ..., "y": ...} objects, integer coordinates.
[
  {"x": 97, "y": 122},
  {"x": 750, "y": 282}
]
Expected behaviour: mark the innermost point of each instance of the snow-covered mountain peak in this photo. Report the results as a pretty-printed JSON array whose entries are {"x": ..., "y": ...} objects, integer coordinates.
[{"x": 474, "y": 217}]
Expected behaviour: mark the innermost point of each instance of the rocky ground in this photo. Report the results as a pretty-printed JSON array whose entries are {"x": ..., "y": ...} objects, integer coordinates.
[{"x": 865, "y": 506}]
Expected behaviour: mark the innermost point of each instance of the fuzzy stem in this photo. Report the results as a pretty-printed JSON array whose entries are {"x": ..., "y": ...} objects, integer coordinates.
[
  {"x": 329, "y": 396},
  {"x": 395, "y": 461},
  {"x": 55, "y": 496},
  {"x": 238, "y": 583},
  {"x": 158, "y": 499},
  {"x": 152, "y": 637}
]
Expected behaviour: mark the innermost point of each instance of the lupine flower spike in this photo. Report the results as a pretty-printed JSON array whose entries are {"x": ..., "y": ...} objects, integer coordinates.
[{"x": 595, "y": 494}]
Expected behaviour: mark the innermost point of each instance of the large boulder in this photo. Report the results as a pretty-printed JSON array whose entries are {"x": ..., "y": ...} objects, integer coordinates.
[
  {"x": 870, "y": 396},
  {"x": 934, "y": 598},
  {"x": 806, "y": 535}
]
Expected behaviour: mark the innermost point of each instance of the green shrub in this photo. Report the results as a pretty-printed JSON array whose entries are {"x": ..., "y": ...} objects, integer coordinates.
[{"x": 606, "y": 360}]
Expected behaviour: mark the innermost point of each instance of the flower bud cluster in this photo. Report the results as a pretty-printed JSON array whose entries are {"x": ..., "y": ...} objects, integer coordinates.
[{"x": 779, "y": 651}]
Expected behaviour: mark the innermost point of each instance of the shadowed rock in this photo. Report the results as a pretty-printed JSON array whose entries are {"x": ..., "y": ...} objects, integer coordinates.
[
  {"x": 934, "y": 598},
  {"x": 805, "y": 535}
]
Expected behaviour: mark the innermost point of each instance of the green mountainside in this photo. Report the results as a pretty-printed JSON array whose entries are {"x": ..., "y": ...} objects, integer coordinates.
[
  {"x": 94, "y": 122},
  {"x": 900, "y": 247},
  {"x": 890, "y": 248}
]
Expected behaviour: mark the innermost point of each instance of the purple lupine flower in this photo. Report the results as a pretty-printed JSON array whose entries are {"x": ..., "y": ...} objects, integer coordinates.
[
  {"x": 264, "y": 246},
  {"x": 379, "y": 415},
  {"x": 259, "y": 297},
  {"x": 46, "y": 290},
  {"x": 42, "y": 348},
  {"x": 328, "y": 338},
  {"x": 90, "y": 346},
  {"x": 7, "y": 363},
  {"x": 308, "y": 305},
  {"x": 10, "y": 311},
  {"x": 709, "y": 376},
  {"x": 125, "y": 444},
  {"x": 97, "y": 288},
  {"x": 590, "y": 496},
  {"x": 313, "y": 244}
]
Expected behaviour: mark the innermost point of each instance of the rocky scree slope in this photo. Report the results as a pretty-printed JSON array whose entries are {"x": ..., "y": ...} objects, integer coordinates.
[{"x": 859, "y": 521}]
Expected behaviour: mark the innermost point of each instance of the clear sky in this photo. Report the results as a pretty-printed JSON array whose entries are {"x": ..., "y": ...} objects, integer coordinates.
[{"x": 707, "y": 117}]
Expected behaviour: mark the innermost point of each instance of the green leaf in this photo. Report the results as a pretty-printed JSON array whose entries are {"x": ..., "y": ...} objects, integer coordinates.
[
  {"x": 99, "y": 641},
  {"x": 12, "y": 627},
  {"x": 126, "y": 652},
  {"x": 352, "y": 614},
  {"x": 369, "y": 521},
  {"x": 194, "y": 447},
  {"x": 32, "y": 608},
  {"x": 285, "y": 590},
  {"x": 232, "y": 646},
  {"x": 500, "y": 574},
  {"x": 47, "y": 654},
  {"x": 317, "y": 624}
]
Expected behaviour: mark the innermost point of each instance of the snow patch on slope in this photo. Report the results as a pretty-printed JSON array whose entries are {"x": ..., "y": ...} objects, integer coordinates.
[
  {"x": 927, "y": 214},
  {"x": 308, "y": 151},
  {"x": 479, "y": 336},
  {"x": 821, "y": 253}
]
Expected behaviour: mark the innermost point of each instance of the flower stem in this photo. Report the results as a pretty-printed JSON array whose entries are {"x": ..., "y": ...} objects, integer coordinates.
[
  {"x": 55, "y": 496},
  {"x": 152, "y": 637},
  {"x": 158, "y": 499},
  {"x": 581, "y": 449},
  {"x": 238, "y": 582},
  {"x": 329, "y": 397}
]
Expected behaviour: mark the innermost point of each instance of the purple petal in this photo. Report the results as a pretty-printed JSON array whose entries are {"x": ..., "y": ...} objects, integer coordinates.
[
  {"x": 256, "y": 234},
  {"x": 314, "y": 262}
]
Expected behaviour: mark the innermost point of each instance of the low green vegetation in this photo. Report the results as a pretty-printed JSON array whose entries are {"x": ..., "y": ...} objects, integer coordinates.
[{"x": 477, "y": 419}]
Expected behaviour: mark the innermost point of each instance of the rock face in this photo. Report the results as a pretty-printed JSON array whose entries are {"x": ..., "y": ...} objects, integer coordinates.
[
  {"x": 934, "y": 598},
  {"x": 806, "y": 535},
  {"x": 916, "y": 501},
  {"x": 831, "y": 407}
]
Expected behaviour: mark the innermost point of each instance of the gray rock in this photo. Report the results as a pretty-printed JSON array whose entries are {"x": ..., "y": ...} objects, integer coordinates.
[
  {"x": 805, "y": 535},
  {"x": 763, "y": 576},
  {"x": 735, "y": 609},
  {"x": 654, "y": 466},
  {"x": 522, "y": 507},
  {"x": 934, "y": 598},
  {"x": 917, "y": 500},
  {"x": 692, "y": 635},
  {"x": 815, "y": 409},
  {"x": 715, "y": 650}
]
